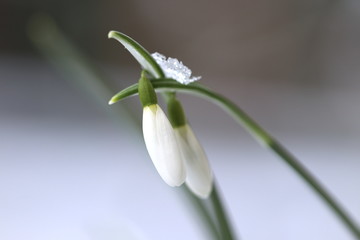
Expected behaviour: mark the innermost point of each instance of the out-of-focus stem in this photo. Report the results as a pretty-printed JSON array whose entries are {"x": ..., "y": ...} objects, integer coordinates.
[
  {"x": 203, "y": 213},
  {"x": 64, "y": 55},
  {"x": 222, "y": 217}
]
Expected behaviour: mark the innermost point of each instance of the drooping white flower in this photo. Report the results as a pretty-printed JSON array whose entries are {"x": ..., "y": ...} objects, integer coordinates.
[
  {"x": 174, "y": 68},
  {"x": 162, "y": 145},
  {"x": 198, "y": 172},
  {"x": 173, "y": 152}
]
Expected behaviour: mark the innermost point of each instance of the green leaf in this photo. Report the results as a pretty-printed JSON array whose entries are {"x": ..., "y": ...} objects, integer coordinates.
[
  {"x": 133, "y": 89},
  {"x": 127, "y": 92},
  {"x": 146, "y": 61}
]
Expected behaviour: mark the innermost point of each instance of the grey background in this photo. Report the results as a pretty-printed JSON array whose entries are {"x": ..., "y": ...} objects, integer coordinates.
[{"x": 70, "y": 169}]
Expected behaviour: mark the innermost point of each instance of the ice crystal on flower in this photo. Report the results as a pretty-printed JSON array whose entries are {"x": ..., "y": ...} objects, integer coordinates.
[{"x": 174, "y": 68}]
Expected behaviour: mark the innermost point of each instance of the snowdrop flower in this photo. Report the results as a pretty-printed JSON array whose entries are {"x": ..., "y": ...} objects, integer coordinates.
[
  {"x": 198, "y": 172},
  {"x": 174, "y": 68},
  {"x": 173, "y": 147},
  {"x": 160, "y": 138}
]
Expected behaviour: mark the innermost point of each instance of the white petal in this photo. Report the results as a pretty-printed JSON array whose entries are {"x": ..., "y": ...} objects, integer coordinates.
[
  {"x": 199, "y": 175},
  {"x": 161, "y": 143}
]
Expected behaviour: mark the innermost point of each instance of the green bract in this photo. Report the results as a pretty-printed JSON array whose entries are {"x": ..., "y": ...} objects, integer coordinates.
[
  {"x": 146, "y": 91},
  {"x": 176, "y": 113},
  {"x": 146, "y": 61}
]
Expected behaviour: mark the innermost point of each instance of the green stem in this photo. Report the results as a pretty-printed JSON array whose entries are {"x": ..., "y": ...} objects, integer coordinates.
[
  {"x": 223, "y": 220},
  {"x": 261, "y": 135},
  {"x": 264, "y": 138},
  {"x": 317, "y": 187},
  {"x": 203, "y": 212}
]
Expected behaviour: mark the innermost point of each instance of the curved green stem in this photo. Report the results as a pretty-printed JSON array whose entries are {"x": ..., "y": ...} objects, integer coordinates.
[{"x": 260, "y": 134}]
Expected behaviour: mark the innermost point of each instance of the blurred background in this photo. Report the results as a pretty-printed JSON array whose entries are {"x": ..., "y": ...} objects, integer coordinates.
[{"x": 72, "y": 167}]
